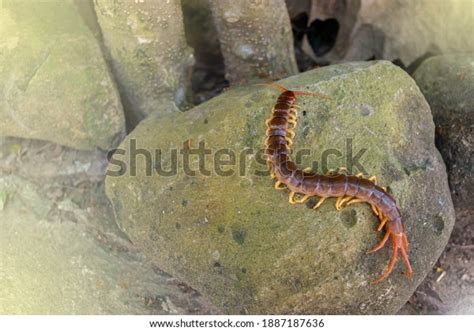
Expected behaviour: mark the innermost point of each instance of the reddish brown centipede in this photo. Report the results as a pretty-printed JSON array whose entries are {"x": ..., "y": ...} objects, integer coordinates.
[{"x": 347, "y": 189}]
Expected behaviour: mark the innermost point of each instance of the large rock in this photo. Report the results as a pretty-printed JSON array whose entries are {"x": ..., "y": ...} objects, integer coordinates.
[
  {"x": 239, "y": 241},
  {"x": 447, "y": 83},
  {"x": 54, "y": 82},
  {"x": 147, "y": 46},
  {"x": 255, "y": 39},
  {"x": 60, "y": 249},
  {"x": 396, "y": 30}
]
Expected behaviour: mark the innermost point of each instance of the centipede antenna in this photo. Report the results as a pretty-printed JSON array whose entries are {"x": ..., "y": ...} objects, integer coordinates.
[
  {"x": 314, "y": 94},
  {"x": 279, "y": 87}
]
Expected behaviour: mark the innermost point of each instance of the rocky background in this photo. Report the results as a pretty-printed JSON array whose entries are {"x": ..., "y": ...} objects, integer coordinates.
[{"x": 79, "y": 78}]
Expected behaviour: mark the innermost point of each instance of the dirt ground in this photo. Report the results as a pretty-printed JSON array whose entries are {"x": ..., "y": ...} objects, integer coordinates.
[{"x": 449, "y": 288}]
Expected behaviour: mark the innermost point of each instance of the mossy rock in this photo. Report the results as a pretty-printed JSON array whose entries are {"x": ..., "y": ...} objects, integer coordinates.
[
  {"x": 54, "y": 82},
  {"x": 447, "y": 82},
  {"x": 238, "y": 240}
]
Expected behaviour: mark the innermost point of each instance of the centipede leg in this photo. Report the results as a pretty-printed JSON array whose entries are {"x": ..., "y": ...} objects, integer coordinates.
[
  {"x": 294, "y": 112},
  {"x": 383, "y": 220},
  {"x": 320, "y": 202},
  {"x": 343, "y": 170},
  {"x": 291, "y": 133},
  {"x": 390, "y": 266},
  {"x": 352, "y": 201},
  {"x": 295, "y": 201},
  {"x": 381, "y": 244},
  {"x": 279, "y": 185},
  {"x": 375, "y": 210},
  {"x": 340, "y": 204}
]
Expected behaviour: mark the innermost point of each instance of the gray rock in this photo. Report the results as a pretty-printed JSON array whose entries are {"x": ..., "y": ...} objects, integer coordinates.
[
  {"x": 238, "y": 241},
  {"x": 150, "y": 57},
  {"x": 255, "y": 38},
  {"x": 54, "y": 82},
  {"x": 447, "y": 83},
  {"x": 61, "y": 251},
  {"x": 404, "y": 30}
]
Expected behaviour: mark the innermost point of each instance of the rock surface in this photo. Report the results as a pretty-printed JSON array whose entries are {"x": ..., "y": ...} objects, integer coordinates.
[
  {"x": 255, "y": 39},
  {"x": 54, "y": 82},
  {"x": 60, "y": 249},
  {"x": 401, "y": 30},
  {"x": 448, "y": 85},
  {"x": 150, "y": 57},
  {"x": 238, "y": 241}
]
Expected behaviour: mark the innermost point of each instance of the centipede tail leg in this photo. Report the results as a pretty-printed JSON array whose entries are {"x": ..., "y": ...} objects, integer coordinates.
[
  {"x": 390, "y": 266},
  {"x": 381, "y": 244}
]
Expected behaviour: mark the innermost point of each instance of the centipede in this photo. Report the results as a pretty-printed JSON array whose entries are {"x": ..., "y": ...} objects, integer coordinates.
[{"x": 304, "y": 184}]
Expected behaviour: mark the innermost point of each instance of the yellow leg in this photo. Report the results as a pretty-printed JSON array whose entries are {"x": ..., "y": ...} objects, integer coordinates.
[
  {"x": 373, "y": 179},
  {"x": 291, "y": 198},
  {"x": 375, "y": 210},
  {"x": 345, "y": 200},
  {"x": 320, "y": 202},
  {"x": 351, "y": 202},
  {"x": 289, "y": 141},
  {"x": 279, "y": 185},
  {"x": 291, "y": 133},
  {"x": 339, "y": 202},
  {"x": 295, "y": 201},
  {"x": 342, "y": 170},
  {"x": 382, "y": 222}
]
